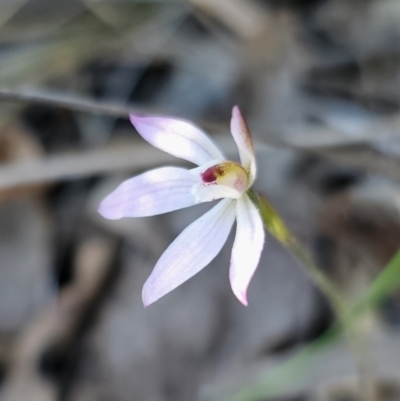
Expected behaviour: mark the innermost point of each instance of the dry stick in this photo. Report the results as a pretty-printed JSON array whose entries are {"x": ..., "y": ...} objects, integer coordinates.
[
  {"x": 74, "y": 103},
  {"x": 381, "y": 129},
  {"x": 85, "y": 105},
  {"x": 127, "y": 157},
  {"x": 388, "y": 128},
  {"x": 366, "y": 158},
  {"x": 275, "y": 226}
]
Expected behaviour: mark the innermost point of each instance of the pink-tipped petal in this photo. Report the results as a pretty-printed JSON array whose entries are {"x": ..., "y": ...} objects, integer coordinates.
[
  {"x": 177, "y": 137},
  {"x": 192, "y": 250},
  {"x": 154, "y": 192},
  {"x": 247, "y": 248},
  {"x": 242, "y": 137}
]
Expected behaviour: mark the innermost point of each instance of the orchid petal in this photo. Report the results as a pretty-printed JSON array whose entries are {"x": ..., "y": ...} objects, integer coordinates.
[
  {"x": 154, "y": 192},
  {"x": 242, "y": 137},
  {"x": 247, "y": 248},
  {"x": 208, "y": 193},
  {"x": 177, "y": 137},
  {"x": 191, "y": 251}
]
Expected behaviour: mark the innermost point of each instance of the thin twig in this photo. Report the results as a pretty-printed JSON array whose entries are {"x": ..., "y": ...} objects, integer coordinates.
[
  {"x": 382, "y": 129},
  {"x": 365, "y": 157},
  {"x": 58, "y": 167},
  {"x": 70, "y": 102},
  {"x": 85, "y": 105},
  {"x": 127, "y": 156}
]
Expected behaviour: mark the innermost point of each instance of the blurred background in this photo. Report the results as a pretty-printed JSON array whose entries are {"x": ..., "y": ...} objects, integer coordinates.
[{"x": 319, "y": 83}]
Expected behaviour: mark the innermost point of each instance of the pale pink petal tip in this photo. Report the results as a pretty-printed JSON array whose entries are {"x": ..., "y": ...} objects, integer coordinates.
[
  {"x": 242, "y": 297},
  {"x": 237, "y": 114},
  {"x": 139, "y": 121},
  {"x": 146, "y": 302},
  {"x": 247, "y": 247},
  {"x": 154, "y": 192},
  {"x": 190, "y": 252},
  {"x": 135, "y": 118},
  {"x": 108, "y": 212},
  {"x": 177, "y": 137},
  {"x": 242, "y": 137},
  {"x": 236, "y": 110},
  {"x": 148, "y": 295}
]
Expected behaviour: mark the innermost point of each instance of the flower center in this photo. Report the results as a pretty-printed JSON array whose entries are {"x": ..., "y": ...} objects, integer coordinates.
[
  {"x": 222, "y": 180},
  {"x": 228, "y": 174}
]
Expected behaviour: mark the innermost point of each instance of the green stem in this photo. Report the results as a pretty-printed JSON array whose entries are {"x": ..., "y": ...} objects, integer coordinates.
[{"x": 275, "y": 226}]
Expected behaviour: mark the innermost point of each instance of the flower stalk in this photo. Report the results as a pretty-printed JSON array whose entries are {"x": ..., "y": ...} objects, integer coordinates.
[{"x": 277, "y": 228}]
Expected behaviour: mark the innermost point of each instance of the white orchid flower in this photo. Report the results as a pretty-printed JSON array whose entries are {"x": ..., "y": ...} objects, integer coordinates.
[{"x": 171, "y": 188}]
